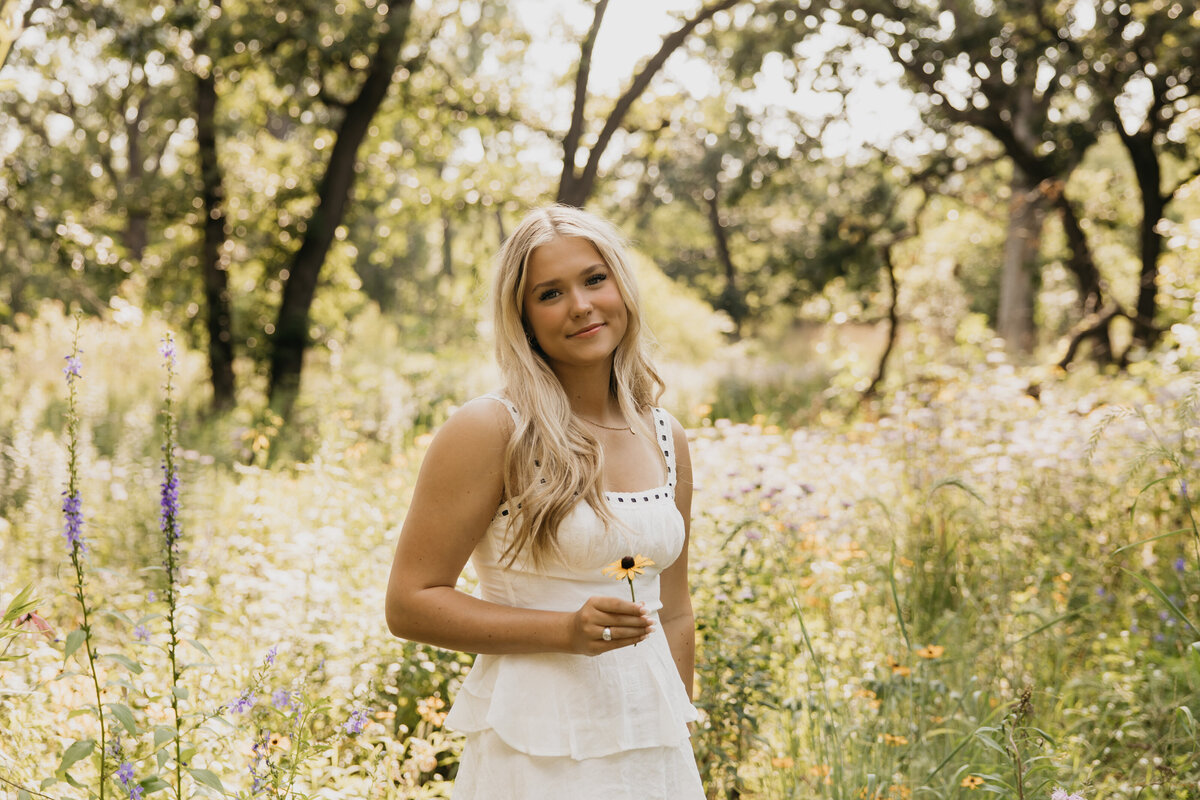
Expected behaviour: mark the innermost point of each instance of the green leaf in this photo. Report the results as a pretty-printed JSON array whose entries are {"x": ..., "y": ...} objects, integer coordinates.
[
  {"x": 74, "y": 639},
  {"x": 207, "y": 778},
  {"x": 199, "y": 647},
  {"x": 1162, "y": 596},
  {"x": 124, "y": 716},
  {"x": 77, "y": 750},
  {"x": 126, "y": 662},
  {"x": 1153, "y": 538},
  {"x": 153, "y": 784},
  {"x": 180, "y": 691},
  {"x": 117, "y": 615},
  {"x": 23, "y": 795},
  {"x": 162, "y": 734},
  {"x": 1185, "y": 716}
]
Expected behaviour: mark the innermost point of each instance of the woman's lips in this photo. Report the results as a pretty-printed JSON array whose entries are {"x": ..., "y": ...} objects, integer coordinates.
[{"x": 586, "y": 332}]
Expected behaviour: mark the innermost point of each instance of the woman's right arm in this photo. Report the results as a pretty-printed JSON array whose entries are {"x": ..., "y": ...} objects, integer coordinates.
[{"x": 458, "y": 490}]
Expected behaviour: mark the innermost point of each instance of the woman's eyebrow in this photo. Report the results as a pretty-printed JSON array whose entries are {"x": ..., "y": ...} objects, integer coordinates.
[{"x": 552, "y": 281}]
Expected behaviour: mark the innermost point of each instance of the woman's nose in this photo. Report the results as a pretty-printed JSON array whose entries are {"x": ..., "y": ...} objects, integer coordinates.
[{"x": 580, "y": 303}]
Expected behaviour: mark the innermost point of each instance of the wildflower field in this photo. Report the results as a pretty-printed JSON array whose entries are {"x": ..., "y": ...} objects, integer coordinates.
[{"x": 976, "y": 586}]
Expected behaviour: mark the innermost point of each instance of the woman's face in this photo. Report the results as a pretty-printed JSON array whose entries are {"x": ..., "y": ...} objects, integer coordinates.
[{"x": 573, "y": 307}]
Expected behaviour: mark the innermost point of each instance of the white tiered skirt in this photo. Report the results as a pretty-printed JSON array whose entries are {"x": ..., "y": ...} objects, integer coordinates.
[
  {"x": 491, "y": 770},
  {"x": 569, "y": 727}
]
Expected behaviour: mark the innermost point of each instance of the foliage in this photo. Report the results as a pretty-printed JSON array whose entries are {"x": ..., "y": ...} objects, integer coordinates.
[{"x": 950, "y": 598}]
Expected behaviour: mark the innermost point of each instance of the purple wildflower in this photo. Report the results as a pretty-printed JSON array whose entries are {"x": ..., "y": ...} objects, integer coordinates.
[
  {"x": 136, "y": 792},
  {"x": 357, "y": 721},
  {"x": 167, "y": 349},
  {"x": 281, "y": 698},
  {"x": 141, "y": 633},
  {"x": 170, "y": 504},
  {"x": 269, "y": 658},
  {"x": 243, "y": 703},
  {"x": 125, "y": 773},
  {"x": 73, "y": 368},
  {"x": 1183, "y": 487},
  {"x": 73, "y": 511},
  {"x": 1180, "y": 564}
]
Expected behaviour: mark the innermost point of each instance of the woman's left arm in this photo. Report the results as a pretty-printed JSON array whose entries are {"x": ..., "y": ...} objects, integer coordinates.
[{"x": 678, "y": 620}]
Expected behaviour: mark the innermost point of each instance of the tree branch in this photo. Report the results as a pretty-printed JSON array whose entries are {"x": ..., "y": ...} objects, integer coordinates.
[
  {"x": 641, "y": 81},
  {"x": 575, "y": 131}
]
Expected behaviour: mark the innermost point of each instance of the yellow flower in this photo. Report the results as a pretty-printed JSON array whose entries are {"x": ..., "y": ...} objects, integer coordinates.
[
  {"x": 782, "y": 762},
  {"x": 895, "y": 741},
  {"x": 627, "y": 567},
  {"x": 972, "y": 782},
  {"x": 931, "y": 651}
]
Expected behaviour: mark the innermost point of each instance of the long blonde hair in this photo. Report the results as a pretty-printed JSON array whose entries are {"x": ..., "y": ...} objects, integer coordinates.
[{"x": 552, "y": 462}]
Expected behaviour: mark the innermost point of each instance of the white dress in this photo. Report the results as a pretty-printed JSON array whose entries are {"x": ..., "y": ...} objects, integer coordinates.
[{"x": 558, "y": 726}]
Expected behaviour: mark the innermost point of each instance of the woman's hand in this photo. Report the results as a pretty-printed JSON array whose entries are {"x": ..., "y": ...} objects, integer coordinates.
[{"x": 626, "y": 622}]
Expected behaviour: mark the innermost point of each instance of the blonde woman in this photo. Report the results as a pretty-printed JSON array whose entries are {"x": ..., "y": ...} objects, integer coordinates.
[{"x": 566, "y": 479}]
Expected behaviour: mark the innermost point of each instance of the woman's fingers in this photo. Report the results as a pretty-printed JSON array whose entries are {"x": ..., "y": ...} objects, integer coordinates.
[{"x": 607, "y": 623}]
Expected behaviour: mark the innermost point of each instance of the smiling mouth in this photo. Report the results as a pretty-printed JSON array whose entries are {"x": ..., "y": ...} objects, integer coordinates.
[{"x": 586, "y": 331}]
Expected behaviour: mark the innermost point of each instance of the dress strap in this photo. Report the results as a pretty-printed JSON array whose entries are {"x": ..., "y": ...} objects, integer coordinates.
[
  {"x": 512, "y": 409},
  {"x": 666, "y": 442}
]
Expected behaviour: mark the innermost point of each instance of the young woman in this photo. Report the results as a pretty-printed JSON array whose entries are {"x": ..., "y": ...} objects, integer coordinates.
[{"x": 567, "y": 479}]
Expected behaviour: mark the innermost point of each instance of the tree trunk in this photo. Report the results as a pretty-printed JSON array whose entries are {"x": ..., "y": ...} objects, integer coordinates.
[
  {"x": 885, "y": 252},
  {"x": 216, "y": 278},
  {"x": 447, "y": 246},
  {"x": 290, "y": 340},
  {"x": 732, "y": 302},
  {"x": 1149, "y": 179},
  {"x": 1014, "y": 317},
  {"x": 1083, "y": 267}
]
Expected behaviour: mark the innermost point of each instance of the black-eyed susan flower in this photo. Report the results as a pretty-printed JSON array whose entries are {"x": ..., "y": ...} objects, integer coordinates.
[
  {"x": 931, "y": 651},
  {"x": 972, "y": 782},
  {"x": 626, "y": 568}
]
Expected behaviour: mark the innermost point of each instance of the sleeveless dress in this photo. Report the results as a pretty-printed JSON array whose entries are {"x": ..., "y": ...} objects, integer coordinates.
[{"x": 560, "y": 726}]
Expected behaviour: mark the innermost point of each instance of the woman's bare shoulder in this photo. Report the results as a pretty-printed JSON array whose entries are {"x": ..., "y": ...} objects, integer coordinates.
[{"x": 483, "y": 422}]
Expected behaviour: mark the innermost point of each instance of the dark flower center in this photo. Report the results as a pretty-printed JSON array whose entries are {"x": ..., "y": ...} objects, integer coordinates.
[{"x": 627, "y": 562}]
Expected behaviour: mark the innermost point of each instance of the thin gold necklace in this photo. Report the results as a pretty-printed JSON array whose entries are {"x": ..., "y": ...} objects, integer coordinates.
[{"x": 608, "y": 427}]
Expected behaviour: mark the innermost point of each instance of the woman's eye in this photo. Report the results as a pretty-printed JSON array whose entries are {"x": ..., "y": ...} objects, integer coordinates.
[
  {"x": 599, "y": 276},
  {"x": 546, "y": 295}
]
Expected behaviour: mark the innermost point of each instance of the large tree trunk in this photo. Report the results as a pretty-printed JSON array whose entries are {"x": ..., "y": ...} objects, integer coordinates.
[
  {"x": 216, "y": 278},
  {"x": 1014, "y": 317},
  {"x": 1149, "y": 179},
  {"x": 290, "y": 340}
]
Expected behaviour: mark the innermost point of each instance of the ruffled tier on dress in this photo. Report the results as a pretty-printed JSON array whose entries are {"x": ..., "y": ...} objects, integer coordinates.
[{"x": 552, "y": 704}]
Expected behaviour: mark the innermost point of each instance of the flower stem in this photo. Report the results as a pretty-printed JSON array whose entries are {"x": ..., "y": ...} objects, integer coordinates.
[
  {"x": 72, "y": 509},
  {"x": 170, "y": 529}
]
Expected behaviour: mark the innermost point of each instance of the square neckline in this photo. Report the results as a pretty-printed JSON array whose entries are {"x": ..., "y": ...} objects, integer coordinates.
[{"x": 663, "y": 437}]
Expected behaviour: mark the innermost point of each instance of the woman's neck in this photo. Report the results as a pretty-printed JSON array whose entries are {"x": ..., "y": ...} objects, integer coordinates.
[{"x": 589, "y": 394}]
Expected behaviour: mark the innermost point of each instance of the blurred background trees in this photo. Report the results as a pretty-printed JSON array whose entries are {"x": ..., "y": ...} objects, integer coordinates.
[{"x": 261, "y": 173}]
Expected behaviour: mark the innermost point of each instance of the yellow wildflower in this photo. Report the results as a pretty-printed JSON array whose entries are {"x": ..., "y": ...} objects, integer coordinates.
[
  {"x": 625, "y": 568},
  {"x": 931, "y": 651}
]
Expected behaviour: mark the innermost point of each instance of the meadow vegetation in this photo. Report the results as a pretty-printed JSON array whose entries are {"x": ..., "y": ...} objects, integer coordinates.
[{"x": 987, "y": 581}]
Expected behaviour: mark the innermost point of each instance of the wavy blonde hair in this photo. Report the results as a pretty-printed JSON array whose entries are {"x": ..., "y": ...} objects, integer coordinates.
[{"x": 552, "y": 461}]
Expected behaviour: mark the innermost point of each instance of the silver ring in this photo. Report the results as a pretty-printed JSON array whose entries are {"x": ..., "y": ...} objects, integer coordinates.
[{"x": 607, "y": 635}]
